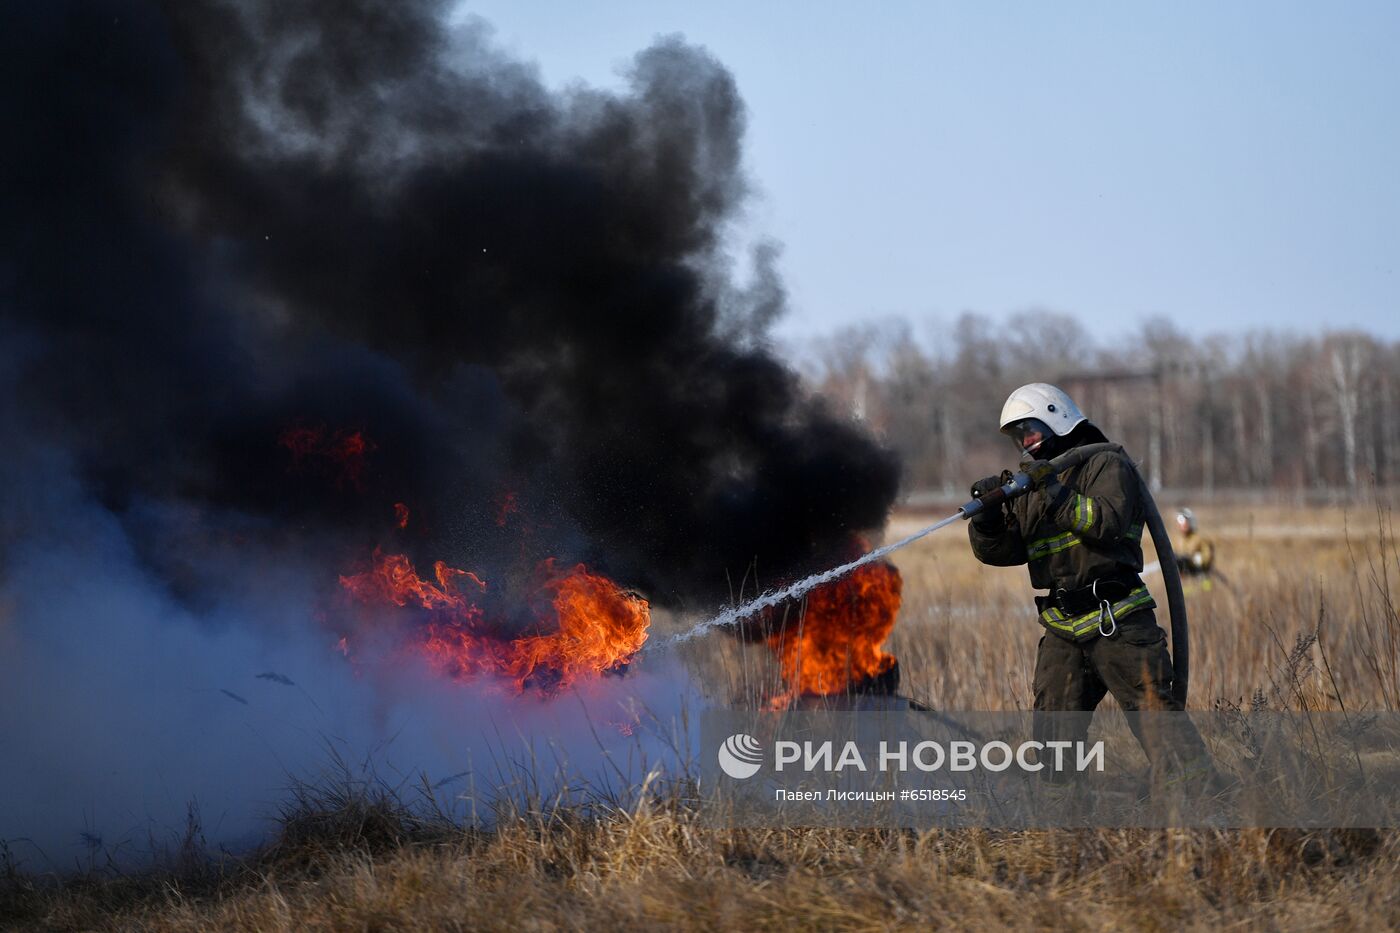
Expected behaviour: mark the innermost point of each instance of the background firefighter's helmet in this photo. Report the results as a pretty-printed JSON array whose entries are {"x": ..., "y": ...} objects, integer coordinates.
[
  {"x": 1043, "y": 403},
  {"x": 1186, "y": 520}
]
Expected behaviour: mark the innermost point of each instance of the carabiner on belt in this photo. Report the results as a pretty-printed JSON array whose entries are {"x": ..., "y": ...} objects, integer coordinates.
[{"x": 1105, "y": 612}]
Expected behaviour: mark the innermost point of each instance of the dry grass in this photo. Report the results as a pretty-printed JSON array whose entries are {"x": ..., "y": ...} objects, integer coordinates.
[
  {"x": 360, "y": 857},
  {"x": 655, "y": 866}
]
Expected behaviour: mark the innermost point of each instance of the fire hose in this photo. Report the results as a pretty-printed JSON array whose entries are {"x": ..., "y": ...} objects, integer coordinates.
[{"x": 1020, "y": 484}]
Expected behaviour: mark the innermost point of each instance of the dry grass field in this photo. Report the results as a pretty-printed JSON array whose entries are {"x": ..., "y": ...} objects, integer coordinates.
[{"x": 1308, "y": 618}]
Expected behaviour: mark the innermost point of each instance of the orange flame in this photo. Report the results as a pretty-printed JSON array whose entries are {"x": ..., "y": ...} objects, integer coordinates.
[
  {"x": 834, "y": 645},
  {"x": 394, "y": 580},
  {"x": 585, "y": 625},
  {"x": 400, "y": 514}
]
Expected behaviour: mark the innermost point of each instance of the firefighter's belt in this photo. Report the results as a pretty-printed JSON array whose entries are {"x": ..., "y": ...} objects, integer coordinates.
[{"x": 1076, "y": 614}]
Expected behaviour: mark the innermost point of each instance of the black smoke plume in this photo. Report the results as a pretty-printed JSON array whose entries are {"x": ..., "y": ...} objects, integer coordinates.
[
  {"x": 225, "y": 222},
  {"x": 282, "y": 282}
]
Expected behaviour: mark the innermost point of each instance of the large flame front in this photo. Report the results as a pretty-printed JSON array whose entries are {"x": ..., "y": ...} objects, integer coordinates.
[
  {"x": 834, "y": 643},
  {"x": 581, "y": 623}
]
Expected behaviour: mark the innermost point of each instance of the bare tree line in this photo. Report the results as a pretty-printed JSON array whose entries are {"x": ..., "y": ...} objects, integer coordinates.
[{"x": 1260, "y": 411}]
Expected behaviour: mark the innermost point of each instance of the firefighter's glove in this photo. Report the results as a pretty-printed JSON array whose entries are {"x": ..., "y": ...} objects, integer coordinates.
[
  {"x": 990, "y": 520},
  {"x": 1041, "y": 472},
  {"x": 1044, "y": 478}
]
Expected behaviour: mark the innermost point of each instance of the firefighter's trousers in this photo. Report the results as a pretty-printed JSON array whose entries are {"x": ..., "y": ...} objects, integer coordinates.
[{"x": 1133, "y": 664}]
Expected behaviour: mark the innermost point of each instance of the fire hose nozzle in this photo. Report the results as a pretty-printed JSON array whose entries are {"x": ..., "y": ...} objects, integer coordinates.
[{"x": 1018, "y": 486}]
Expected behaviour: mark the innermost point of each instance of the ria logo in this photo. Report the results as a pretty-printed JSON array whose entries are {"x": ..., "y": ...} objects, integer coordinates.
[{"x": 740, "y": 756}]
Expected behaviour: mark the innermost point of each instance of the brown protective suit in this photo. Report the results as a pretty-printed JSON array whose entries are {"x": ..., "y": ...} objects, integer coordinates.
[{"x": 1091, "y": 530}]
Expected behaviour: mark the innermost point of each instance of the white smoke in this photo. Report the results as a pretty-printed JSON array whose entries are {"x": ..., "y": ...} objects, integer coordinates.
[{"x": 123, "y": 704}]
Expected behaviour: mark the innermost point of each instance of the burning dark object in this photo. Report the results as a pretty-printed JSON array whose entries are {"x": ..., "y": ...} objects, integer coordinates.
[
  {"x": 835, "y": 644},
  {"x": 886, "y": 683},
  {"x": 830, "y": 643}
]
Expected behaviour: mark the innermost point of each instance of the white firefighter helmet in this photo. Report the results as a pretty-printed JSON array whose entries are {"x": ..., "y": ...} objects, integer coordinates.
[
  {"x": 1186, "y": 519},
  {"x": 1044, "y": 402}
]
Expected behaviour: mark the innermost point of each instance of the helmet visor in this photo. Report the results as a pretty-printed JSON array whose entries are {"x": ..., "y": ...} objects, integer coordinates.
[{"x": 1028, "y": 433}]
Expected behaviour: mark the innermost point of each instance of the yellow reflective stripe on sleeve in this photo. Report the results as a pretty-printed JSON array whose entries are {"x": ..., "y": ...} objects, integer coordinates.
[
  {"x": 1134, "y": 532},
  {"x": 1084, "y": 625},
  {"x": 1052, "y": 545},
  {"x": 1083, "y": 513}
]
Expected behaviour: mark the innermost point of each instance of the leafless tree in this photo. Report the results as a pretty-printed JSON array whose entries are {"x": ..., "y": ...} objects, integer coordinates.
[{"x": 1262, "y": 410}]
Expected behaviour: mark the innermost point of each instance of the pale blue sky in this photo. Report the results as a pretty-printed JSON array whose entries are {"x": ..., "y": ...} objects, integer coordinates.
[{"x": 1231, "y": 165}]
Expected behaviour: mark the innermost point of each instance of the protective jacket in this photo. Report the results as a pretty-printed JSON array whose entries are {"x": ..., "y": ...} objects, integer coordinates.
[{"x": 1084, "y": 545}]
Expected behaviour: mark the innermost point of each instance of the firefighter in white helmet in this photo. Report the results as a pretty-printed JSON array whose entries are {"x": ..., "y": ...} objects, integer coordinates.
[{"x": 1080, "y": 533}]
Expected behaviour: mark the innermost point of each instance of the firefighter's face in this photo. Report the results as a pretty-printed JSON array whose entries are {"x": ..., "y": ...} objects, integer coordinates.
[{"x": 1029, "y": 433}]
